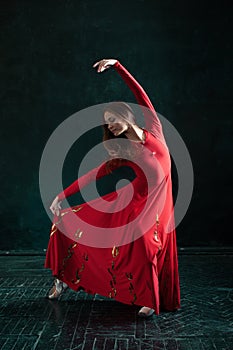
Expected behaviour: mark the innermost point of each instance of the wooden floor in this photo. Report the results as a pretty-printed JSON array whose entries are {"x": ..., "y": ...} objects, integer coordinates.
[{"x": 79, "y": 321}]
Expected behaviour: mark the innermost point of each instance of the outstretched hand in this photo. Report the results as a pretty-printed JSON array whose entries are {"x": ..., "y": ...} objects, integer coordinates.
[
  {"x": 104, "y": 64},
  {"x": 56, "y": 206}
]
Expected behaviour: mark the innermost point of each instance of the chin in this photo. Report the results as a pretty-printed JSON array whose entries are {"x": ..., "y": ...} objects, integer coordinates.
[{"x": 118, "y": 133}]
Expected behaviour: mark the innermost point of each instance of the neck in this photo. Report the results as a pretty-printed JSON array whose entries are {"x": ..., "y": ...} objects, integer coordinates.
[{"x": 134, "y": 133}]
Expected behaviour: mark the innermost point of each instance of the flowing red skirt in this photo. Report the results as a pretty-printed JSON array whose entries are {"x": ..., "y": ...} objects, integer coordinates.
[{"x": 143, "y": 272}]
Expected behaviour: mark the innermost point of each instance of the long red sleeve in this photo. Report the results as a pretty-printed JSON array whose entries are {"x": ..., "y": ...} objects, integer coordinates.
[
  {"x": 152, "y": 122},
  {"x": 83, "y": 181}
]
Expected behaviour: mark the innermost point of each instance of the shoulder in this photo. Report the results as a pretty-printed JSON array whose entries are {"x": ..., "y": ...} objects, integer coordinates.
[{"x": 154, "y": 143}]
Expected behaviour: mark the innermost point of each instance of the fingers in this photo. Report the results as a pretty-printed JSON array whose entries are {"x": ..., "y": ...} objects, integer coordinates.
[
  {"x": 55, "y": 211},
  {"x": 52, "y": 210},
  {"x": 99, "y": 63},
  {"x": 55, "y": 207},
  {"x": 102, "y": 65},
  {"x": 95, "y": 64},
  {"x": 101, "y": 69}
]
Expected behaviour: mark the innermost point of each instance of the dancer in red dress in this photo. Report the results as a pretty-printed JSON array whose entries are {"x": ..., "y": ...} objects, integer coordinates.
[{"x": 142, "y": 269}]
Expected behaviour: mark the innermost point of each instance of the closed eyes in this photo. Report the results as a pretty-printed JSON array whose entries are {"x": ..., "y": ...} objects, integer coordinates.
[{"x": 111, "y": 119}]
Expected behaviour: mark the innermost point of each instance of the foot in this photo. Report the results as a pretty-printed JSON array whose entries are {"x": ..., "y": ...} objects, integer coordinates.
[
  {"x": 145, "y": 312},
  {"x": 57, "y": 290}
]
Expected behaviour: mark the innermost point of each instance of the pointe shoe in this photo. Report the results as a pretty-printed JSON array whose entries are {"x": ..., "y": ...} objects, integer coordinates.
[
  {"x": 57, "y": 290},
  {"x": 145, "y": 312}
]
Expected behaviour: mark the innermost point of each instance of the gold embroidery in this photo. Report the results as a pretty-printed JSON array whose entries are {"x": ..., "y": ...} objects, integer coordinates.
[
  {"x": 78, "y": 271},
  {"x": 78, "y": 233},
  {"x": 156, "y": 230},
  {"x": 58, "y": 222},
  {"x": 131, "y": 287},
  {"x": 85, "y": 257},
  {"x": 67, "y": 212},
  {"x": 134, "y": 298},
  {"x": 157, "y": 219},
  {"x": 53, "y": 230},
  {"x": 113, "y": 277},
  {"x": 129, "y": 276},
  {"x": 112, "y": 284},
  {"x": 64, "y": 262},
  {"x": 76, "y": 210},
  {"x": 110, "y": 271},
  {"x": 113, "y": 293},
  {"x": 156, "y": 236},
  {"x": 70, "y": 253},
  {"x": 115, "y": 251},
  {"x": 62, "y": 214},
  {"x": 78, "y": 278}
]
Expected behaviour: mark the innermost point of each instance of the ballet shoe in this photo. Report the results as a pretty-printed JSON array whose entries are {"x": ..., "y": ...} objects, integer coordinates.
[
  {"x": 57, "y": 290},
  {"x": 145, "y": 312}
]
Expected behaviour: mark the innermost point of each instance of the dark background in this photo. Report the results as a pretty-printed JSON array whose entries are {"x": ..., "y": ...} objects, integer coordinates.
[{"x": 179, "y": 51}]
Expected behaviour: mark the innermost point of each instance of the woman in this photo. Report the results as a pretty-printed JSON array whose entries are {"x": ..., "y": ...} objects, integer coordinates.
[{"x": 143, "y": 268}]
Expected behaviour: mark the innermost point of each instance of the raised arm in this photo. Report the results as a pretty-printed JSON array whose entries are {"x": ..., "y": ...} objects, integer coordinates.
[{"x": 152, "y": 122}]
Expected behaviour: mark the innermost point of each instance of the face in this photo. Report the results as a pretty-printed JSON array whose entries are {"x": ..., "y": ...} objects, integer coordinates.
[{"x": 116, "y": 124}]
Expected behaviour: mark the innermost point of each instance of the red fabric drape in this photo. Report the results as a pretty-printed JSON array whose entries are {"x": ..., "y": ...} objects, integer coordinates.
[{"x": 144, "y": 271}]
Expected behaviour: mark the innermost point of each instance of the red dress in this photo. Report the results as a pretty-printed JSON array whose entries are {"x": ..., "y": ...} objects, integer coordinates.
[{"x": 142, "y": 268}]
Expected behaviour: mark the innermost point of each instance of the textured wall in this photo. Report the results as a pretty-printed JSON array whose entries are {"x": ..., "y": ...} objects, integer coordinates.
[{"x": 179, "y": 51}]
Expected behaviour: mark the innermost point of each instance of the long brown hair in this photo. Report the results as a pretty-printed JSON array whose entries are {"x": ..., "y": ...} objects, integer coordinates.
[{"x": 126, "y": 113}]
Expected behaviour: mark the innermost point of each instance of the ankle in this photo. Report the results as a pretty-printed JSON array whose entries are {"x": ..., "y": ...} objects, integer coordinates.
[{"x": 146, "y": 311}]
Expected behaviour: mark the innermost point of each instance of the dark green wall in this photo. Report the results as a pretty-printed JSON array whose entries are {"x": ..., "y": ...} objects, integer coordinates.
[{"x": 179, "y": 51}]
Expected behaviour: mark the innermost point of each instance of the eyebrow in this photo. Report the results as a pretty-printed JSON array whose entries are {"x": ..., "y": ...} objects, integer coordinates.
[{"x": 110, "y": 118}]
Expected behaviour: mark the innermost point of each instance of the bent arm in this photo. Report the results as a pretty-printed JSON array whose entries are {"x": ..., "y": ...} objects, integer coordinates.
[{"x": 152, "y": 122}]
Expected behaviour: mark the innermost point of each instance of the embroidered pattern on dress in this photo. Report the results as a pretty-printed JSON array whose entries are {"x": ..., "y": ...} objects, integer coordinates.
[
  {"x": 80, "y": 270},
  {"x": 115, "y": 251},
  {"x": 67, "y": 212},
  {"x": 113, "y": 292},
  {"x": 53, "y": 230},
  {"x": 78, "y": 234},
  {"x": 131, "y": 287},
  {"x": 156, "y": 232},
  {"x": 70, "y": 253}
]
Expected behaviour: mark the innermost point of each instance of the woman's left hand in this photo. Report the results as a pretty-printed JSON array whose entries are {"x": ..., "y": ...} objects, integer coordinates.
[
  {"x": 56, "y": 206},
  {"x": 104, "y": 64}
]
